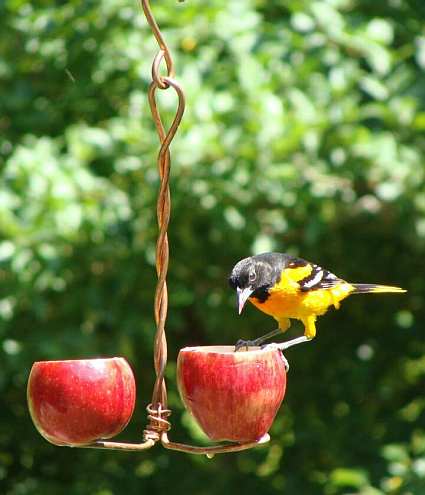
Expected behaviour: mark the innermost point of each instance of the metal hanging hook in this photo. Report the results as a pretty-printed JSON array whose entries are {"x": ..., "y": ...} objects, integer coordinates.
[{"x": 162, "y": 45}]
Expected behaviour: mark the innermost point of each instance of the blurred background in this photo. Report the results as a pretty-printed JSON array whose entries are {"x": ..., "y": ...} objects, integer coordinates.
[{"x": 304, "y": 133}]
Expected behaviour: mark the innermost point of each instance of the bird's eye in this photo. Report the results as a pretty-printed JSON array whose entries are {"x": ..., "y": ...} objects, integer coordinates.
[{"x": 252, "y": 276}]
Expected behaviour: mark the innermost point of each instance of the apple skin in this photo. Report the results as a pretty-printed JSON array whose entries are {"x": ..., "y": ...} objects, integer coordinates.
[
  {"x": 233, "y": 396},
  {"x": 79, "y": 401}
]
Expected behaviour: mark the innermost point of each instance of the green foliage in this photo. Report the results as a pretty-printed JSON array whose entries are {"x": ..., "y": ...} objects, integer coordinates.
[{"x": 304, "y": 132}]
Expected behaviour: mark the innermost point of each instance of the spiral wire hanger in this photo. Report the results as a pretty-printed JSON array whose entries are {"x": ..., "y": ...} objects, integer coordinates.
[{"x": 158, "y": 412}]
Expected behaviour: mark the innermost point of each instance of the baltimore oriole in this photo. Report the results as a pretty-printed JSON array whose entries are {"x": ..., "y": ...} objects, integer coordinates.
[{"x": 286, "y": 287}]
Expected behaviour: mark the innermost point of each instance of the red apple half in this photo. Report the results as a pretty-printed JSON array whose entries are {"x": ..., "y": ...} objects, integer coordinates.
[
  {"x": 77, "y": 402},
  {"x": 233, "y": 395}
]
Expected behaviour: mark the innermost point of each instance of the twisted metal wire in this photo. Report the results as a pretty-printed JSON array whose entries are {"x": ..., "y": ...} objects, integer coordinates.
[
  {"x": 157, "y": 410},
  {"x": 163, "y": 214}
]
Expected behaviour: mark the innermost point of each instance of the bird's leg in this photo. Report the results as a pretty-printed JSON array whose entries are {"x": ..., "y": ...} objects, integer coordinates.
[
  {"x": 284, "y": 324},
  {"x": 309, "y": 327},
  {"x": 289, "y": 343},
  {"x": 309, "y": 333},
  {"x": 256, "y": 342}
]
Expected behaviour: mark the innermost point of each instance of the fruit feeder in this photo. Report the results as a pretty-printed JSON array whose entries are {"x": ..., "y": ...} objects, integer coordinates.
[{"x": 234, "y": 396}]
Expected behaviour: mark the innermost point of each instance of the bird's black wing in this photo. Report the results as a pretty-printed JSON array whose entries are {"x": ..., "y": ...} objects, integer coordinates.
[{"x": 319, "y": 278}]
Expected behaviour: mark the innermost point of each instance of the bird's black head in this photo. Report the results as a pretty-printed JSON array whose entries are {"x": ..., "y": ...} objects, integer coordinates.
[{"x": 254, "y": 276}]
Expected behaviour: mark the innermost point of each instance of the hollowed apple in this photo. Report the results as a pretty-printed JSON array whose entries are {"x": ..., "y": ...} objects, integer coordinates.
[
  {"x": 233, "y": 395},
  {"x": 79, "y": 401}
]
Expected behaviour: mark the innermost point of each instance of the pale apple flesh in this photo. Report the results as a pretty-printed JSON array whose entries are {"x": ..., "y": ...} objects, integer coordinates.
[
  {"x": 79, "y": 401},
  {"x": 233, "y": 395}
]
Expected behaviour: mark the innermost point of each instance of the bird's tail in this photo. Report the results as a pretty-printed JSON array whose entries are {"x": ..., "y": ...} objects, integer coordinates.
[{"x": 365, "y": 288}]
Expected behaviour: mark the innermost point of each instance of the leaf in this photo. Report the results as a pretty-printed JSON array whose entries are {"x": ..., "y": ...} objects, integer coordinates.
[{"x": 349, "y": 477}]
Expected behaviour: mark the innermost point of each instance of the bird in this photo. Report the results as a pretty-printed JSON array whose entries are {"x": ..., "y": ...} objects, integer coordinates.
[{"x": 287, "y": 287}]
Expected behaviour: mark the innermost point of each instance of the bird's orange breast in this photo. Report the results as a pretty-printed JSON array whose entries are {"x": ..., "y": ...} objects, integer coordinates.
[{"x": 284, "y": 301}]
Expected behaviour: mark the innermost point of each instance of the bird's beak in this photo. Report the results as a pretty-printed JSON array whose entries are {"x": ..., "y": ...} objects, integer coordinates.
[{"x": 242, "y": 296}]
